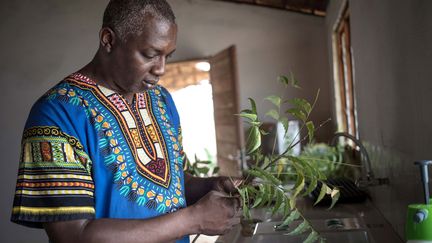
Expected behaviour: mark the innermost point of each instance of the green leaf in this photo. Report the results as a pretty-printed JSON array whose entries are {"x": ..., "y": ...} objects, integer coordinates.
[
  {"x": 300, "y": 182},
  {"x": 255, "y": 123},
  {"x": 203, "y": 162},
  {"x": 252, "y": 190},
  {"x": 253, "y": 105},
  {"x": 285, "y": 123},
  {"x": 311, "y": 172},
  {"x": 292, "y": 202},
  {"x": 302, "y": 104},
  {"x": 248, "y": 111},
  {"x": 263, "y": 132},
  {"x": 250, "y": 116},
  {"x": 297, "y": 113},
  {"x": 335, "y": 194},
  {"x": 263, "y": 194},
  {"x": 203, "y": 170},
  {"x": 254, "y": 140},
  {"x": 299, "y": 185},
  {"x": 266, "y": 161},
  {"x": 283, "y": 79},
  {"x": 313, "y": 236},
  {"x": 287, "y": 206},
  {"x": 196, "y": 171},
  {"x": 216, "y": 170},
  {"x": 265, "y": 175},
  {"x": 294, "y": 215},
  {"x": 311, "y": 130},
  {"x": 314, "y": 170},
  {"x": 276, "y": 100},
  {"x": 258, "y": 200},
  {"x": 279, "y": 168},
  {"x": 323, "y": 192},
  {"x": 312, "y": 185},
  {"x": 304, "y": 226},
  {"x": 279, "y": 199},
  {"x": 242, "y": 193},
  {"x": 289, "y": 80},
  {"x": 273, "y": 114},
  {"x": 269, "y": 195}
]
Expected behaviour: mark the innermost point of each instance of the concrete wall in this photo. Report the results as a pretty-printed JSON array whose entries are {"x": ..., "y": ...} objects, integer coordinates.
[
  {"x": 42, "y": 41},
  {"x": 392, "y": 56}
]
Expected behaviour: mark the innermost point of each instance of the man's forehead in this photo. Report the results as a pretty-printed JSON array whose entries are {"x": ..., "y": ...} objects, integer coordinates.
[
  {"x": 154, "y": 27},
  {"x": 160, "y": 35}
]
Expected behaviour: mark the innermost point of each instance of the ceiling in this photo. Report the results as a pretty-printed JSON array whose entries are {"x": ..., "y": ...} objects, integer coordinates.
[{"x": 310, "y": 7}]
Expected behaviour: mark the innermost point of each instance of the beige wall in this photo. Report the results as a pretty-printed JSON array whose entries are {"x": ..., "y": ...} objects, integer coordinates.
[
  {"x": 42, "y": 41},
  {"x": 392, "y": 58}
]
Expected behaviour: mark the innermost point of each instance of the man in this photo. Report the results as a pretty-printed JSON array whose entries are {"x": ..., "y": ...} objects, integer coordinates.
[{"x": 102, "y": 159}]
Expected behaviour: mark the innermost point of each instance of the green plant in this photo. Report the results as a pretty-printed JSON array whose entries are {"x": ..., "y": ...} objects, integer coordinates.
[
  {"x": 325, "y": 158},
  {"x": 264, "y": 185},
  {"x": 201, "y": 168}
]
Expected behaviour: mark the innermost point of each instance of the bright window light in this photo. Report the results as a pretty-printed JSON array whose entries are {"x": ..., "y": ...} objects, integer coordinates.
[
  {"x": 195, "y": 106},
  {"x": 203, "y": 66}
]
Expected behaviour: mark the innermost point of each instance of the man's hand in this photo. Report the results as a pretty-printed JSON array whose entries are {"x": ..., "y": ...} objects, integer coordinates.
[
  {"x": 197, "y": 187},
  {"x": 216, "y": 213},
  {"x": 227, "y": 185}
]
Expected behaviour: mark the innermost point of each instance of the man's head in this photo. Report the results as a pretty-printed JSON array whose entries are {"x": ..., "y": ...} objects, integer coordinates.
[
  {"x": 125, "y": 17},
  {"x": 136, "y": 39}
]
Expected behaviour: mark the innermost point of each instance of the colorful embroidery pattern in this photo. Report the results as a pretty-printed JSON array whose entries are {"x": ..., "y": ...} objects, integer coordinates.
[{"x": 53, "y": 168}]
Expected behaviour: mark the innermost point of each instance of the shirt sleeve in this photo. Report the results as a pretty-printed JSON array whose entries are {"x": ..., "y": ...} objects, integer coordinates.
[{"x": 54, "y": 177}]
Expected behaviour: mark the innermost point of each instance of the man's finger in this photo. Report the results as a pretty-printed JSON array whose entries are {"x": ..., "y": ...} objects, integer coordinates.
[
  {"x": 234, "y": 221},
  {"x": 237, "y": 182}
]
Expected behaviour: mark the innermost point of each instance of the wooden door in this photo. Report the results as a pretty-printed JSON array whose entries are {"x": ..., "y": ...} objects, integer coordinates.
[{"x": 228, "y": 126}]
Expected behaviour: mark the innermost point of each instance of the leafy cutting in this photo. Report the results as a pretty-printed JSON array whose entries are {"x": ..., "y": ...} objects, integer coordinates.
[{"x": 264, "y": 184}]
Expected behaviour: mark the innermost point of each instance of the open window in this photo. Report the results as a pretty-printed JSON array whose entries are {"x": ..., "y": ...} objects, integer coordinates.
[{"x": 346, "y": 112}]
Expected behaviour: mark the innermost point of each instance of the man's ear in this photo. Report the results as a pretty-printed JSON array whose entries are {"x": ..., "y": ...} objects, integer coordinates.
[{"x": 107, "y": 39}]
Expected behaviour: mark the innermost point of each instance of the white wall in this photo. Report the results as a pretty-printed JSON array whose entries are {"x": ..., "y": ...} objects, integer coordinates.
[
  {"x": 391, "y": 42},
  {"x": 43, "y": 41}
]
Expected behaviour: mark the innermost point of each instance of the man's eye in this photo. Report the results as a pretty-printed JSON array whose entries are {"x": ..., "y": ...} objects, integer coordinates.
[{"x": 148, "y": 56}]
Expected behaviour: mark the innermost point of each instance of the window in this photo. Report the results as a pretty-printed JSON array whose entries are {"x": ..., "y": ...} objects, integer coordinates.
[{"x": 343, "y": 76}]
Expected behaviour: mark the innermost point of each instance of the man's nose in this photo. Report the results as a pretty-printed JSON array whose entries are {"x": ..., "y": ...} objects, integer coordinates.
[{"x": 159, "y": 67}]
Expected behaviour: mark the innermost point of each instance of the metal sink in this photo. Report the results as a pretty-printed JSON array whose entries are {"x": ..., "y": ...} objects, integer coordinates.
[
  {"x": 347, "y": 223},
  {"x": 331, "y": 237},
  {"x": 335, "y": 230}
]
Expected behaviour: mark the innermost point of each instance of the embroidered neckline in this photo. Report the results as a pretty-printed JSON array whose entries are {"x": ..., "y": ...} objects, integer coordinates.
[{"x": 81, "y": 77}]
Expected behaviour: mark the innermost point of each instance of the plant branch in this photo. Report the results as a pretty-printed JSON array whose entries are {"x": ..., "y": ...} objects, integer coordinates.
[{"x": 292, "y": 146}]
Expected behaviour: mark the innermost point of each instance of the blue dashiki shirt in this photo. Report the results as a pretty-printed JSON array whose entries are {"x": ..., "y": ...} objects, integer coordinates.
[{"x": 88, "y": 154}]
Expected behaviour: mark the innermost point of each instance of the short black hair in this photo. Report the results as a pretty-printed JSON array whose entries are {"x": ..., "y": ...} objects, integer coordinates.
[{"x": 125, "y": 17}]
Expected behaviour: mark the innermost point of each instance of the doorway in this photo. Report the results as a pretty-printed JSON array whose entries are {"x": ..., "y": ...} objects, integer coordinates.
[
  {"x": 206, "y": 95},
  {"x": 189, "y": 85}
]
